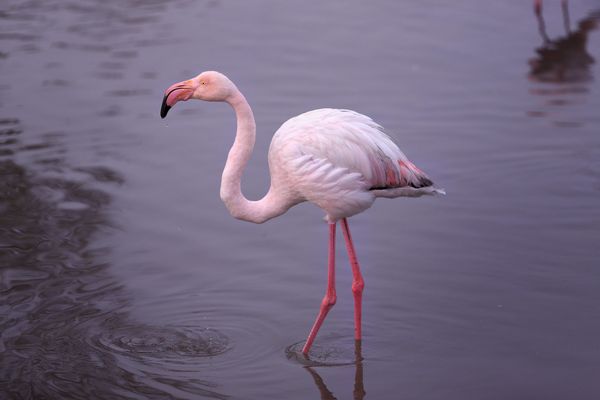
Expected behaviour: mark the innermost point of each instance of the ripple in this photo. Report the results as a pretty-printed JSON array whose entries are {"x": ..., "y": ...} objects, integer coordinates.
[
  {"x": 329, "y": 352},
  {"x": 108, "y": 75},
  {"x": 102, "y": 174},
  {"x": 23, "y": 37},
  {"x": 56, "y": 82},
  {"x": 9, "y": 132},
  {"x": 72, "y": 206},
  {"x": 164, "y": 343},
  {"x": 12, "y": 277},
  {"x": 125, "y": 54},
  {"x": 129, "y": 92},
  {"x": 246, "y": 330}
]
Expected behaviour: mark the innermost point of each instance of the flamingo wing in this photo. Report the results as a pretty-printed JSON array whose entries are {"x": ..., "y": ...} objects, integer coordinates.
[{"x": 341, "y": 160}]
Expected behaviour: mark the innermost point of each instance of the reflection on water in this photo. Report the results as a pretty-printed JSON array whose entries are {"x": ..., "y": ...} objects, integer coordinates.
[
  {"x": 65, "y": 331},
  {"x": 65, "y": 326},
  {"x": 358, "y": 392},
  {"x": 328, "y": 354},
  {"x": 565, "y": 59},
  {"x": 562, "y": 66}
]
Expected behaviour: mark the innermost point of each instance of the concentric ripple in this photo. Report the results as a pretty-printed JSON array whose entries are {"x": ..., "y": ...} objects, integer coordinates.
[
  {"x": 163, "y": 342},
  {"x": 329, "y": 352},
  {"x": 226, "y": 330},
  {"x": 168, "y": 359}
]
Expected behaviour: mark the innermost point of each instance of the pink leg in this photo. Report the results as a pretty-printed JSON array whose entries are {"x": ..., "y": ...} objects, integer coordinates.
[
  {"x": 329, "y": 299},
  {"x": 358, "y": 283}
]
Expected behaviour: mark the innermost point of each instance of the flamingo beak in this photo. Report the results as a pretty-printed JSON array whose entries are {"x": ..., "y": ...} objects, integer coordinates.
[{"x": 181, "y": 91}]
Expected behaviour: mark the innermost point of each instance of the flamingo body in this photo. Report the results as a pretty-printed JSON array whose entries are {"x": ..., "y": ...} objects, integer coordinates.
[{"x": 341, "y": 161}]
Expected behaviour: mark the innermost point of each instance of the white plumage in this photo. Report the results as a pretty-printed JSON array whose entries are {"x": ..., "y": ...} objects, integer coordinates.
[{"x": 341, "y": 161}]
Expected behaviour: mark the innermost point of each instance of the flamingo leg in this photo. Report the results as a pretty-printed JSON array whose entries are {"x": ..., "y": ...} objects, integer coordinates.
[
  {"x": 566, "y": 19},
  {"x": 358, "y": 283},
  {"x": 540, "y": 17},
  {"x": 330, "y": 297},
  {"x": 359, "y": 387}
]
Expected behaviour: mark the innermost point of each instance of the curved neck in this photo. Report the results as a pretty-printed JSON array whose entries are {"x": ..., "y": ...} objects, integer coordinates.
[{"x": 231, "y": 191}]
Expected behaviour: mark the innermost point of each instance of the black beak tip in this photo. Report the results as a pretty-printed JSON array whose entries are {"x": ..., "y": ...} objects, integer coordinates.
[{"x": 164, "y": 108}]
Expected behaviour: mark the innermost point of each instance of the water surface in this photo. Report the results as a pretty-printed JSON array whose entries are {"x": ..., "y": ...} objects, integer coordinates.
[{"x": 123, "y": 276}]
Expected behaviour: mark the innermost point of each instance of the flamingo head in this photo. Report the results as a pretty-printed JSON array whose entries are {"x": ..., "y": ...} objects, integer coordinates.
[{"x": 208, "y": 86}]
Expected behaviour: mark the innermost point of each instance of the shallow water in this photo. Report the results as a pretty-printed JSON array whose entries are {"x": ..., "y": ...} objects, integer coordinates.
[{"x": 123, "y": 276}]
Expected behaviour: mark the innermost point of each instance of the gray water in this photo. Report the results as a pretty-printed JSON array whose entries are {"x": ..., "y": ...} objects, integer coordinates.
[{"x": 122, "y": 276}]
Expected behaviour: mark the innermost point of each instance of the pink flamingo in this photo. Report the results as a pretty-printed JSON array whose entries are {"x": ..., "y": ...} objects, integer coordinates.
[{"x": 338, "y": 159}]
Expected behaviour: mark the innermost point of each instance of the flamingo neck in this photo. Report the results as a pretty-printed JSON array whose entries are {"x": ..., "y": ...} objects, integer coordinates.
[{"x": 231, "y": 191}]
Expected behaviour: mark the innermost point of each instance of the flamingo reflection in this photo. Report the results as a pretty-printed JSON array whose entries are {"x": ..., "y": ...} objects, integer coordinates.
[
  {"x": 564, "y": 59},
  {"x": 359, "y": 390}
]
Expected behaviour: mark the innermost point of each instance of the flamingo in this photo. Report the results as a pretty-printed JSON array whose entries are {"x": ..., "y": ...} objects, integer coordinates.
[{"x": 339, "y": 160}]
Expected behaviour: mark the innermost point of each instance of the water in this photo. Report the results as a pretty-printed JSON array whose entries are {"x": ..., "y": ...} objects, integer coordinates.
[{"x": 123, "y": 277}]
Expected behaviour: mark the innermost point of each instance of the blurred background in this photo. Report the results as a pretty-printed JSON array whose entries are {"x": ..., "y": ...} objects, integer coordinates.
[{"x": 122, "y": 276}]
